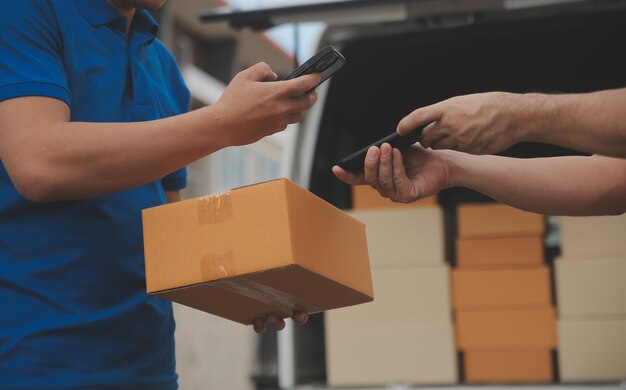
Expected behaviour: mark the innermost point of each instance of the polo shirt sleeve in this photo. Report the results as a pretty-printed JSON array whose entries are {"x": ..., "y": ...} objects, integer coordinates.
[
  {"x": 31, "y": 51},
  {"x": 175, "y": 181}
]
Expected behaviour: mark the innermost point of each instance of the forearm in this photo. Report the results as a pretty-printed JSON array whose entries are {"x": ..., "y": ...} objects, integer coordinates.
[
  {"x": 593, "y": 122},
  {"x": 561, "y": 186},
  {"x": 50, "y": 158},
  {"x": 73, "y": 160}
]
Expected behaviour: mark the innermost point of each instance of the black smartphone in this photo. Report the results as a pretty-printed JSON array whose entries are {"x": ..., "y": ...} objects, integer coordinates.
[
  {"x": 326, "y": 62},
  {"x": 356, "y": 160}
]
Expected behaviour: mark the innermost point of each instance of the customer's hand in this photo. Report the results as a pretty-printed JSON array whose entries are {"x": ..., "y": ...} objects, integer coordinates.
[
  {"x": 403, "y": 177},
  {"x": 483, "y": 123},
  {"x": 255, "y": 105},
  {"x": 260, "y": 324}
]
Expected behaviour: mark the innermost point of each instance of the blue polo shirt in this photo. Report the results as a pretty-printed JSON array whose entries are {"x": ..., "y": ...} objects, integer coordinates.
[{"x": 73, "y": 309}]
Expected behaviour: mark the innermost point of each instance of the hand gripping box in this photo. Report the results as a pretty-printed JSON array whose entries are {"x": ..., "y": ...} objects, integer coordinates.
[{"x": 267, "y": 248}]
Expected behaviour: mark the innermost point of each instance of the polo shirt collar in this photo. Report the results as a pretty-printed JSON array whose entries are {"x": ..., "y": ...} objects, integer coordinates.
[
  {"x": 101, "y": 12},
  {"x": 144, "y": 22},
  {"x": 97, "y": 12}
]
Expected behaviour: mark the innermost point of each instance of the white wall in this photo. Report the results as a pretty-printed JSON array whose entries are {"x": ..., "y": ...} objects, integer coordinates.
[{"x": 213, "y": 353}]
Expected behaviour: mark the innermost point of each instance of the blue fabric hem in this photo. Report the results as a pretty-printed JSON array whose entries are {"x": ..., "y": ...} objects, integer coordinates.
[
  {"x": 10, "y": 91},
  {"x": 174, "y": 183},
  {"x": 94, "y": 387},
  {"x": 171, "y": 386}
]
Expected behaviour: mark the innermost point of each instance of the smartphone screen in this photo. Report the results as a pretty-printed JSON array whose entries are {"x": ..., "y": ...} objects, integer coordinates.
[{"x": 326, "y": 62}]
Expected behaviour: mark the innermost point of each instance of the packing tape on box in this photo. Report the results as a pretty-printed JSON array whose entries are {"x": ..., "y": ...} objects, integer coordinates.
[
  {"x": 215, "y": 208},
  {"x": 215, "y": 266},
  {"x": 212, "y": 263},
  {"x": 284, "y": 303}
]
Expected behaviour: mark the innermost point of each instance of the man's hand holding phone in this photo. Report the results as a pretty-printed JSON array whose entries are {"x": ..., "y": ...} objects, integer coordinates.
[
  {"x": 252, "y": 107},
  {"x": 256, "y": 105}
]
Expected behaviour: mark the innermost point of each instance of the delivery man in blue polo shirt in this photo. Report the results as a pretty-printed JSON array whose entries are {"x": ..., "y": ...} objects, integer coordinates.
[{"x": 93, "y": 129}]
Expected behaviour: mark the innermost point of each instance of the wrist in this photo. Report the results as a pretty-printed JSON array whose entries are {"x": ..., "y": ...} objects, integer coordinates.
[
  {"x": 540, "y": 115},
  {"x": 217, "y": 127},
  {"x": 200, "y": 131},
  {"x": 523, "y": 121},
  {"x": 455, "y": 164}
]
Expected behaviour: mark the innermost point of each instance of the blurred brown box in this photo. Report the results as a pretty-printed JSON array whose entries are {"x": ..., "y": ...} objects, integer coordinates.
[
  {"x": 499, "y": 252},
  {"x": 508, "y": 367},
  {"x": 506, "y": 330},
  {"x": 490, "y": 220},
  {"x": 365, "y": 197},
  {"x": 592, "y": 350},
  {"x": 593, "y": 237},
  {"x": 404, "y": 238},
  {"x": 501, "y": 289},
  {"x": 591, "y": 288}
]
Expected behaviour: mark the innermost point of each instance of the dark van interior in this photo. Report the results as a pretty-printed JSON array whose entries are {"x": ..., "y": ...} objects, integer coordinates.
[{"x": 389, "y": 76}]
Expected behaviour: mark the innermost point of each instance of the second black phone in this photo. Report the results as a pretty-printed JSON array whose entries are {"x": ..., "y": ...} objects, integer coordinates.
[{"x": 356, "y": 160}]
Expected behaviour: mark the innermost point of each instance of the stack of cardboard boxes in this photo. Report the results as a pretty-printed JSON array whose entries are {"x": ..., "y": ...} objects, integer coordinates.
[
  {"x": 502, "y": 296},
  {"x": 591, "y": 292},
  {"x": 406, "y": 335}
]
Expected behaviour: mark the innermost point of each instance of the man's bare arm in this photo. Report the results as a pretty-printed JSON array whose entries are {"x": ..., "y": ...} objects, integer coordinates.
[
  {"x": 577, "y": 185},
  {"x": 49, "y": 158},
  {"x": 592, "y": 122},
  {"x": 573, "y": 185},
  {"x": 488, "y": 123}
]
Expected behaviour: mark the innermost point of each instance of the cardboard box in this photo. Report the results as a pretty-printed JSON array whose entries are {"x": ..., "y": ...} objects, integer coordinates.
[
  {"x": 490, "y": 220},
  {"x": 266, "y": 248},
  {"x": 593, "y": 237},
  {"x": 508, "y": 367},
  {"x": 592, "y": 351},
  {"x": 511, "y": 330},
  {"x": 403, "y": 296},
  {"x": 368, "y": 355},
  {"x": 365, "y": 197},
  {"x": 499, "y": 252},
  {"x": 404, "y": 238},
  {"x": 501, "y": 289},
  {"x": 591, "y": 288}
]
